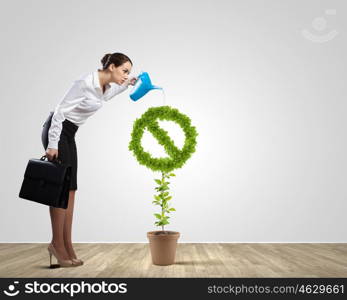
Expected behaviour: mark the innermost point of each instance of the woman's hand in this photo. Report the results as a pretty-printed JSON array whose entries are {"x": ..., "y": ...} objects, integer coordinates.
[
  {"x": 131, "y": 81},
  {"x": 51, "y": 153}
]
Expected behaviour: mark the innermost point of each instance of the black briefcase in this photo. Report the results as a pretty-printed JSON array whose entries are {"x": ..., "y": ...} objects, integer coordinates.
[{"x": 46, "y": 182}]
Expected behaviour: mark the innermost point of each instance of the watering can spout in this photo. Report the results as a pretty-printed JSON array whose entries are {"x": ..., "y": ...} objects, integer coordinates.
[{"x": 142, "y": 86}]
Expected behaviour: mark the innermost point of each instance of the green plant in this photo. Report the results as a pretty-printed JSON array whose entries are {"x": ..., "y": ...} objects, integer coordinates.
[
  {"x": 148, "y": 121},
  {"x": 177, "y": 157},
  {"x": 162, "y": 199}
]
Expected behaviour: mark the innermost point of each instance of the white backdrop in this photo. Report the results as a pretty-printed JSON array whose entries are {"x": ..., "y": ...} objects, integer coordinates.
[{"x": 268, "y": 102}]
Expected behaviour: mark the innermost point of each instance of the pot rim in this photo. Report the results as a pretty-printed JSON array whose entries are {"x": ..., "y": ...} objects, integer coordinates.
[
  {"x": 152, "y": 236},
  {"x": 154, "y": 231}
]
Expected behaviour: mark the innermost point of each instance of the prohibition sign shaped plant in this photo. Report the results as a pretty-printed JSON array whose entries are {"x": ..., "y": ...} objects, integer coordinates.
[{"x": 177, "y": 157}]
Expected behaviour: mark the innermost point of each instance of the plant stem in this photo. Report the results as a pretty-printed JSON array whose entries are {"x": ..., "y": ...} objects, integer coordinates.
[{"x": 162, "y": 210}]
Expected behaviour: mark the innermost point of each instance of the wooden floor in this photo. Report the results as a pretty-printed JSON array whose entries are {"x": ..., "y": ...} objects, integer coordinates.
[{"x": 192, "y": 260}]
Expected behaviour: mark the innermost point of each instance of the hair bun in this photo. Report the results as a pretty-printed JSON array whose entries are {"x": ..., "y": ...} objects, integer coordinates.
[
  {"x": 117, "y": 59},
  {"x": 105, "y": 59}
]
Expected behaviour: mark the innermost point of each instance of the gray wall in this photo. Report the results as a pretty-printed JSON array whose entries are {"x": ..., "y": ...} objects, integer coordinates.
[{"x": 267, "y": 98}]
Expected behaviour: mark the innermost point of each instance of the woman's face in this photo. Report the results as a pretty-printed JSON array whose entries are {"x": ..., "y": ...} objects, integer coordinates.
[{"x": 120, "y": 74}]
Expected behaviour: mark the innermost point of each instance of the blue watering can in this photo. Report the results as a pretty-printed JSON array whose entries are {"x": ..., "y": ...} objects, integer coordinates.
[{"x": 142, "y": 86}]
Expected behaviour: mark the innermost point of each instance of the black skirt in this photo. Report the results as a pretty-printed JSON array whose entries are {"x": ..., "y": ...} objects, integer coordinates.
[{"x": 67, "y": 151}]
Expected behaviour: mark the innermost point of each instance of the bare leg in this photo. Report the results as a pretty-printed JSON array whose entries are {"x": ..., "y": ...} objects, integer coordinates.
[
  {"x": 57, "y": 221},
  {"x": 68, "y": 225}
]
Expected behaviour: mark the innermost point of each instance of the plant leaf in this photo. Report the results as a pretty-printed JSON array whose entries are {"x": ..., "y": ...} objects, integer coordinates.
[{"x": 158, "y": 216}]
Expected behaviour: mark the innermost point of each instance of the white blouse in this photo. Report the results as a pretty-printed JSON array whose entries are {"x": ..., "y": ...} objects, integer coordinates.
[{"x": 81, "y": 101}]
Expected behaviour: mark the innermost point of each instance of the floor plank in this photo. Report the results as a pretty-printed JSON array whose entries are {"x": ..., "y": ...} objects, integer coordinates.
[{"x": 121, "y": 260}]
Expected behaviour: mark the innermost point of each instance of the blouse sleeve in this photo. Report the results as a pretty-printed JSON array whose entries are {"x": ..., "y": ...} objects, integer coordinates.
[
  {"x": 115, "y": 89},
  {"x": 71, "y": 99}
]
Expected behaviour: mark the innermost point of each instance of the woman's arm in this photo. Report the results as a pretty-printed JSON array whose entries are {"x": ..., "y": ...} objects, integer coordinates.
[
  {"x": 117, "y": 89},
  {"x": 71, "y": 99}
]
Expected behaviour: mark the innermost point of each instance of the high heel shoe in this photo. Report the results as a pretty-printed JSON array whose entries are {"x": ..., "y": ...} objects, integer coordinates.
[
  {"x": 61, "y": 262},
  {"x": 77, "y": 261}
]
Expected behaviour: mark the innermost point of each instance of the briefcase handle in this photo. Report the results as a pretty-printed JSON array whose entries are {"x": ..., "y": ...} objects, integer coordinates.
[{"x": 55, "y": 160}]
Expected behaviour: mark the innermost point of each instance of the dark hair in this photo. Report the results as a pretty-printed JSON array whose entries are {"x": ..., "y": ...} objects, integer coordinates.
[{"x": 115, "y": 58}]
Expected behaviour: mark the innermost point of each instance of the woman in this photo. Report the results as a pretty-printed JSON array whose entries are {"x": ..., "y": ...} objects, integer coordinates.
[{"x": 83, "y": 99}]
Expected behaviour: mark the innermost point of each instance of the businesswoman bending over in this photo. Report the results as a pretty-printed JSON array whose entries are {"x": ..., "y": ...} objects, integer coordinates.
[{"x": 84, "y": 98}]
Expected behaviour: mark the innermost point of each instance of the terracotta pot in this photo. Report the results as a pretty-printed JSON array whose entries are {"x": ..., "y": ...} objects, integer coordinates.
[{"x": 163, "y": 246}]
